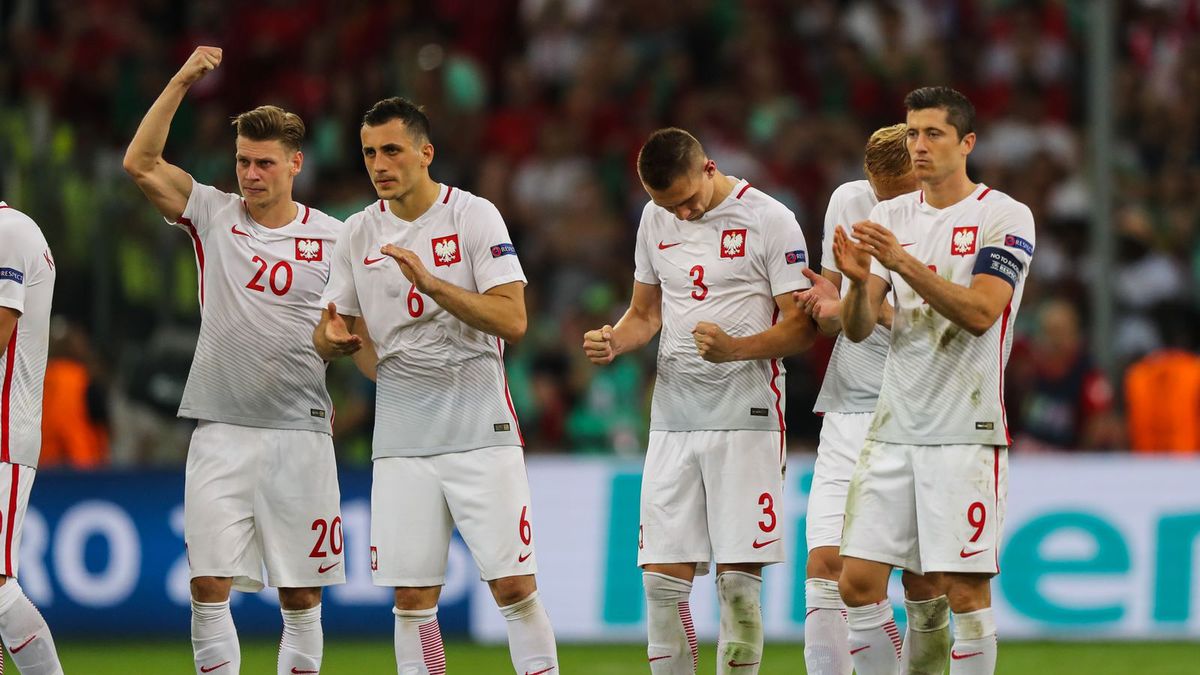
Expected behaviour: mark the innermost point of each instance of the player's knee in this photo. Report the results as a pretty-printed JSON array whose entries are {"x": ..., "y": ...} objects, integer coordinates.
[
  {"x": 968, "y": 592},
  {"x": 824, "y": 562},
  {"x": 922, "y": 587},
  {"x": 511, "y": 590},
  {"x": 409, "y": 598},
  {"x": 858, "y": 589},
  {"x": 211, "y": 589},
  {"x": 299, "y": 598}
]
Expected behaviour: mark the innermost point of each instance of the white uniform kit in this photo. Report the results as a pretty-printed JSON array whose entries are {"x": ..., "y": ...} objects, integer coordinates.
[
  {"x": 27, "y": 286},
  {"x": 929, "y": 490},
  {"x": 447, "y": 446},
  {"x": 261, "y": 475},
  {"x": 713, "y": 478},
  {"x": 850, "y": 390}
]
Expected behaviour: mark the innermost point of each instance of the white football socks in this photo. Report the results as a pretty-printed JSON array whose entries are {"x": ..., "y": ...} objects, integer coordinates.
[
  {"x": 418, "y": 639},
  {"x": 974, "y": 650},
  {"x": 672, "y": 648},
  {"x": 874, "y": 639},
  {"x": 302, "y": 642},
  {"x": 740, "y": 641},
  {"x": 927, "y": 638},
  {"x": 25, "y": 633},
  {"x": 826, "y": 648},
  {"x": 530, "y": 637},
  {"x": 215, "y": 645}
]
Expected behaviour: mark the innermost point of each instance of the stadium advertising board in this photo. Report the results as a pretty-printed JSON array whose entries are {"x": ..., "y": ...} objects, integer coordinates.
[{"x": 1096, "y": 546}]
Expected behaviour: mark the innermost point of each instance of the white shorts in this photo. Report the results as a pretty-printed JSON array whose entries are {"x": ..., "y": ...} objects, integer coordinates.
[
  {"x": 842, "y": 439},
  {"x": 255, "y": 497},
  {"x": 417, "y": 501},
  {"x": 928, "y": 508},
  {"x": 712, "y": 495},
  {"x": 15, "y": 482}
]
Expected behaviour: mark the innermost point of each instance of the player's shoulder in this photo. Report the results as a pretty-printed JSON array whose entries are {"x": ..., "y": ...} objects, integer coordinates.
[
  {"x": 19, "y": 226},
  {"x": 321, "y": 219},
  {"x": 469, "y": 211},
  {"x": 852, "y": 190},
  {"x": 766, "y": 209},
  {"x": 1003, "y": 203}
]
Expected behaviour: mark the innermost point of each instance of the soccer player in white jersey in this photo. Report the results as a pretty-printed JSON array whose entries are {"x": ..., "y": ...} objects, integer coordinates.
[
  {"x": 847, "y": 401},
  {"x": 716, "y": 262},
  {"x": 929, "y": 490},
  {"x": 261, "y": 483},
  {"x": 431, "y": 270},
  {"x": 26, "y": 291}
]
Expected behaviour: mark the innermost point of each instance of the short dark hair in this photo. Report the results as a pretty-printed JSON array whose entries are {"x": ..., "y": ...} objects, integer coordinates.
[
  {"x": 668, "y": 154},
  {"x": 271, "y": 123},
  {"x": 960, "y": 113},
  {"x": 397, "y": 108}
]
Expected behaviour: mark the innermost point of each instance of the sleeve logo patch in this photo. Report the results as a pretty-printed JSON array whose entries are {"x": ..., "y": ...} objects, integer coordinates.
[
  {"x": 793, "y": 257},
  {"x": 9, "y": 274},
  {"x": 503, "y": 249},
  {"x": 1013, "y": 241}
]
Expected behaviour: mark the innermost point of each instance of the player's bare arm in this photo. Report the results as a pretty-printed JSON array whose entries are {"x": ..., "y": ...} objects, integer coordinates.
[
  {"x": 975, "y": 308},
  {"x": 792, "y": 334},
  {"x": 861, "y": 306},
  {"x": 638, "y": 326},
  {"x": 823, "y": 301},
  {"x": 335, "y": 335},
  {"x": 166, "y": 186},
  {"x": 8, "y": 324},
  {"x": 498, "y": 311}
]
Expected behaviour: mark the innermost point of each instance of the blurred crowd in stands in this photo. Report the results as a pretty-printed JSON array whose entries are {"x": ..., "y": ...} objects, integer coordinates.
[{"x": 540, "y": 106}]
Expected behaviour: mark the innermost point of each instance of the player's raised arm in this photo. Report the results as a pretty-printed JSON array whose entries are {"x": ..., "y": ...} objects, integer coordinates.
[
  {"x": 638, "y": 326},
  {"x": 862, "y": 302},
  {"x": 166, "y": 186}
]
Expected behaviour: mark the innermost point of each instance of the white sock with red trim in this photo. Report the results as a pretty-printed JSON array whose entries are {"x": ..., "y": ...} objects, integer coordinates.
[
  {"x": 927, "y": 638},
  {"x": 418, "y": 638},
  {"x": 672, "y": 648},
  {"x": 530, "y": 637},
  {"x": 740, "y": 641},
  {"x": 826, "y": 646},
  {"x": 25, "y": 632},
  {"x": 974, "y": 650},
  {"x": 874, "y": 639},
  {"x": 214, "y": 639},
  {"x": 302, "y": 642}
]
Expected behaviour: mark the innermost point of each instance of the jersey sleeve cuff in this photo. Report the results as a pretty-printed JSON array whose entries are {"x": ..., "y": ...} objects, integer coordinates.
[
  {"x": 501, "y": 280},
  {"x": 13, "y": 303}
]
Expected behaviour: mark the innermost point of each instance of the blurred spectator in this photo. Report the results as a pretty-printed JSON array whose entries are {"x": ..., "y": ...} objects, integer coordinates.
[
  {"x": 1162, "y": 390},
  {"x": 75, "y": 413}
]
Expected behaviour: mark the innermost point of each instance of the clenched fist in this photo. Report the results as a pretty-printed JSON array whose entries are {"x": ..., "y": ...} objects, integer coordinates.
[
  {"x": 203, "y": 60},
  {"x": 597, "y": 345}
]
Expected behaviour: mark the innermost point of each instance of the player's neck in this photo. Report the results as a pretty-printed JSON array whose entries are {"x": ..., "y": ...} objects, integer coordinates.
[
  {"x": 274, "y": 215},
  {"x": 948, "y": 191},
  {"x": 722, "y": 187},
  {"x": 412, "y": 204}
]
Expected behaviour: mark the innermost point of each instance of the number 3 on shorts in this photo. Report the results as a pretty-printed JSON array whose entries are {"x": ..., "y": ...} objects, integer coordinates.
[{"x": 767, "y": 524}]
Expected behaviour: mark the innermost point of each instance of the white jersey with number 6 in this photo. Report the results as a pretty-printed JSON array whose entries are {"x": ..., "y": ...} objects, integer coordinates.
[
  {"x": 441, "y": 383},
  {"x": 260, "y": 299},
  {"x": 725, "y": 268},
  {"x": 942, "y": 385},
  {"x": 27, "y": 286}
]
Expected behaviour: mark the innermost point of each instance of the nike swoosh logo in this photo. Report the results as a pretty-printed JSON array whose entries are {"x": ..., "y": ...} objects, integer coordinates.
[
  {"x": 296, "y": 671},
  {"x": 371, "y": 261},
  {"x": 735, "y": 664},
  {"x": 760, "y": 544},
  {"x": 323, "y": 569},
  {"x": 652, "y": 659},
  {"x": 235, "y": 230},
  {"x": 855, "y": 651},
  {"x": 540, "y": 672},
  {"x": 209, "y": 669},
  {"x": 958, "y": 657},
  {"x": 663, "y": 247},
  {"x": 524, "y": 556},
  {"x": 23, "y": 644},
  {"x": 964, "y": 554}
]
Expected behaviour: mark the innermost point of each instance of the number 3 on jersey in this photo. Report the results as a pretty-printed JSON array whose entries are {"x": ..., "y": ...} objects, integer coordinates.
[{"x": 697, "y": 274}]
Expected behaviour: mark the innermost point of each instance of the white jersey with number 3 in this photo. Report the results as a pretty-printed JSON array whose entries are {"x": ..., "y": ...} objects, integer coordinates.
[
  {"x": 27, "y": 286},
  {"x": 942, "y": 385},
  {"x": 260, "y": 299},
  {"x": 725, "y": 268},
  {"x": 441, "y": 383}
]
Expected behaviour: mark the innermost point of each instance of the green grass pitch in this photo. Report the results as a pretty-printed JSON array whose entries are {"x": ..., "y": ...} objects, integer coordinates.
[{"x": 344, "y": 657}]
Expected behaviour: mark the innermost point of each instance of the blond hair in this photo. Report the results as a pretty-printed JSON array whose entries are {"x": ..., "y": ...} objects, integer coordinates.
[
  {"x": 887, "y": 153},
  {"x": 271, "y": 123}
]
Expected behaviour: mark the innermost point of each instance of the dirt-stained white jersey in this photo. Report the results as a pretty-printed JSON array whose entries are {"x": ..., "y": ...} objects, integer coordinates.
[
  {"x": 441, "y": 385},
  {"x": 725, "y": 268},
  {"x": 260, "y": 299},
  {"x": 942, "y": 385},
  {"x": 27, "y": 286},
  {"x": 855, "y": 371}
]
